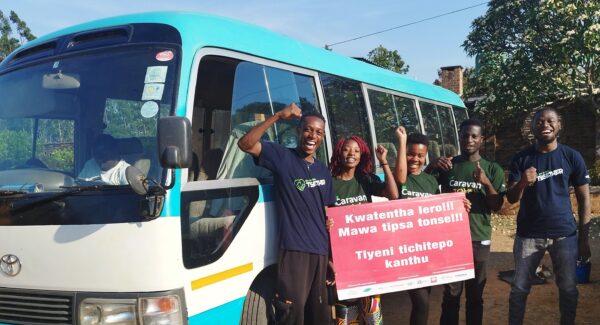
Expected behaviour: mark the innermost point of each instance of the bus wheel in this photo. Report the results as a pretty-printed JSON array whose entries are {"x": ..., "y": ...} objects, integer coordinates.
[{"x": 257, "y": 305}]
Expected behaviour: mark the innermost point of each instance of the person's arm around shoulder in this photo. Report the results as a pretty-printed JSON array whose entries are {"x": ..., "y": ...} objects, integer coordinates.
[
  {"x": 250, "y": 142},
  {"x": 391, "y": 190},
  {"x": 400, "y": 174}
]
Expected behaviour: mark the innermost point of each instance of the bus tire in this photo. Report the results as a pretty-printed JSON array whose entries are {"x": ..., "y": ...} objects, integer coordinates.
[{"x": 257, "y": 305}]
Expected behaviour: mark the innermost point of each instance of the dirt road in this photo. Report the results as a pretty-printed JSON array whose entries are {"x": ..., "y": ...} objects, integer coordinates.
[{"x": 542, "y": 304}]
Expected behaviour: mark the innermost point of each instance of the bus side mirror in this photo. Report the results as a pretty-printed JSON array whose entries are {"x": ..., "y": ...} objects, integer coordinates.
[{"x": 175, "y": 142}]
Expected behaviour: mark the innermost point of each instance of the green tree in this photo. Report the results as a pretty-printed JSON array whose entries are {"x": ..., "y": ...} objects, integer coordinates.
[
  {"x": 531, "y": 52},
  {"x": 15, "y": 148},
  {"x": 468, "y": 86},
  {"x": 8, "y": 41},
  {"x": 387, "y": 59}
]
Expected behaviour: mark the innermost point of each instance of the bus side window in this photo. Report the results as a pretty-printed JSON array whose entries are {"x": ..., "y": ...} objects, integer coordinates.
[
  {"x": 431, "y": 122},
  {"x": 346, "y": 108},
  {"x": 450, "y": 146},
  {"x": 389, "y": 111},
  {"x": 287, "y": 87},
  {"x": 246, "y": 94},
  {"x": 460, "y": 115},
  {"x": 440, "y": 128},
  {"x": 206, "y": 237},
  {"x": 407, "y": 111}
]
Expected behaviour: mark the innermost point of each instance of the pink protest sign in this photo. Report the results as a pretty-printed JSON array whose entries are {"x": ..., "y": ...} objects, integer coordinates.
[{"x": 399, "y": 245}]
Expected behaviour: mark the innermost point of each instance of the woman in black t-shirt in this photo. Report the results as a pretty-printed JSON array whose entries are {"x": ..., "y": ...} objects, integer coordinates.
[{"x": 354, "y": 183}]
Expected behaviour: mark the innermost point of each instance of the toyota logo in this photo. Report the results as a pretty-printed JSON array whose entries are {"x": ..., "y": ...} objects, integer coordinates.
[{"x": 10, "y": 264}]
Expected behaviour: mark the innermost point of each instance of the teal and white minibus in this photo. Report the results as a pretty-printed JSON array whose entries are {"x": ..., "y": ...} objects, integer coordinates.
[{"x": 192, "y": 237}]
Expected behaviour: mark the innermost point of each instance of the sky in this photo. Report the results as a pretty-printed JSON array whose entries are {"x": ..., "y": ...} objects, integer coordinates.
[{"x": 425, "y": 46}]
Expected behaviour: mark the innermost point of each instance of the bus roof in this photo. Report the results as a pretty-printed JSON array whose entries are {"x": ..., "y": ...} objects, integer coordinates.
[{"x": 202, "y": 30}]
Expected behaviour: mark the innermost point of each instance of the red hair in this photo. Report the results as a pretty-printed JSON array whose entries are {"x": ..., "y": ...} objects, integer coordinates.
[{"x": 365, "y": 165}]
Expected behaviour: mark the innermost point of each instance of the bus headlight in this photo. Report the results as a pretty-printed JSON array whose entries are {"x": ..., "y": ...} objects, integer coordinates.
[
  {"x": 160, "y": 310},
  {"x": 107, "y": 311},
  {"x": 147, "y": 311}
]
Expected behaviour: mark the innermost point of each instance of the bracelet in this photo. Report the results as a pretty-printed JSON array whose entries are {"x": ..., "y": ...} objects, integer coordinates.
[{"x": 383, "y": 164}]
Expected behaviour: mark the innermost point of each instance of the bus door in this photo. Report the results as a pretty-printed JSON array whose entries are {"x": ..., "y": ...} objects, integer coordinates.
[{"x": 226, "y": 218}]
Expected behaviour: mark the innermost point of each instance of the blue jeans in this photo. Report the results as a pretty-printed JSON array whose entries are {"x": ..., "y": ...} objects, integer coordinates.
[{"x": 528, "y": 252}]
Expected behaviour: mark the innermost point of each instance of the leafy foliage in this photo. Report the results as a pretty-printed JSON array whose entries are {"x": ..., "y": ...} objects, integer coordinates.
[
  {"x": 469, "y": 88},
  {"x": 15, "y": 147},
  {"x": 8, "y": 42},
  {"x": 595, "y": 173},
  {"x": 531, "y": 52},
  {"x": 122, "y": 119},
  {"x": 388, "y": 59},
  {"x": 60, "y": 158},
  {"x": 54, "y": 143}
]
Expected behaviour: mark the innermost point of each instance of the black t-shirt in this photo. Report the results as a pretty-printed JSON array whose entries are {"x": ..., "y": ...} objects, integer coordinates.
[
  {"x": 421, "y": 185},
  {"x": 302, "y": 191},
  {"x": 357, "y": 190},
  {"x": 545, "y": 210}
]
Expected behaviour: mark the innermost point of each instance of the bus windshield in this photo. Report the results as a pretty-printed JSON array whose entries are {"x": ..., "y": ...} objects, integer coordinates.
[{"x": 53, "y": 114}]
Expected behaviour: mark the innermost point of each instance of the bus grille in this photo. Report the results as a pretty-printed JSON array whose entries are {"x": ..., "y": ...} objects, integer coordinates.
[{"x": 35, "y": 308}]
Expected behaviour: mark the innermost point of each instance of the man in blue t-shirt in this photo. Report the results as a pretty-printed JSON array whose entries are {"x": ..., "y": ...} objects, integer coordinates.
[
  {"x": 303, "y": 187},
  {"x": 540, "y": 177}
]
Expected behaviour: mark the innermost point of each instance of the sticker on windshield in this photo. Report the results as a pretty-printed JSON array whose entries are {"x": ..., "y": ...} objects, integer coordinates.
[
  {"x": 165, "y": 56},
  {"x": 156, "y": 74},
  {"x": 149, "y": 109},
  {"x": 153, "y": 91}
]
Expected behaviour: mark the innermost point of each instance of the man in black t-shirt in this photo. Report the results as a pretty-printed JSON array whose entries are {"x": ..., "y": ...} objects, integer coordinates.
[
  {"x": 303, "y": 188},
  {"x": 540, "y": 177}
]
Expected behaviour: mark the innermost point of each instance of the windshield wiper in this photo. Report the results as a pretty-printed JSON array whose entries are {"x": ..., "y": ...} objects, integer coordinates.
[{"x": 24, "y": 205}]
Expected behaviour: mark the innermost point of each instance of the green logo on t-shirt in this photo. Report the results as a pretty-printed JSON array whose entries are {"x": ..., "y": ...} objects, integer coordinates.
[{"x": 300, "y": 184}]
